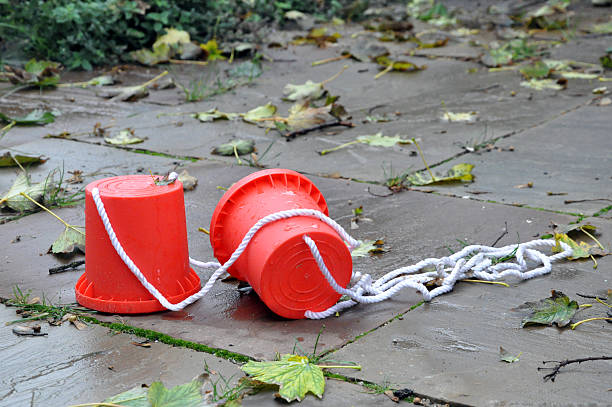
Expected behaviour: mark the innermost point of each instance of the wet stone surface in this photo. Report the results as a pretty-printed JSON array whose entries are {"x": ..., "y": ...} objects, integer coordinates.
[{"x": 448, "y": 349}]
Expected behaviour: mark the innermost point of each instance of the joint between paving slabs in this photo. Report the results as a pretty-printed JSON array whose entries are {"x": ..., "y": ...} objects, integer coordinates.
[
  {"x": 142, "y": 151},
  {"x": 385, "y": 323},
  {"x": 378, "y": 388},
  {"x": 149, "y": 334}
]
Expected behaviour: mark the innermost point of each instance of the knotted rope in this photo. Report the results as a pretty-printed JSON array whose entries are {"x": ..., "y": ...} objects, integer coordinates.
[{"x": 472, "y": 261}]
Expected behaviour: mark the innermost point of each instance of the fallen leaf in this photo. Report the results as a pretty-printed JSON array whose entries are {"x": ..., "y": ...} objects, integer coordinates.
[
  {"x": 459, "y": 117},
  {"x": 378, "y": 140},
  {"x": 35, "y": 73},
  {"x": 459, "y": 172},
  {"x": 578, "y": 75},
  {"x": 189, "y": 181},
  {"x": 123, "y": 138},
  {"x": 212, "y": 50},
  {"x": 24, "y": 330},
  {"x": 214, "y": 114},
  {"x": 103, "y": 80},
  {"x": 160, "y": 53},
  {"x": 317, "y": 36},
  {"x": 294, "y": 374},
  {"x": 257, "y": 114},
  {"x": 71, "y": 239},
  {"x": 10, "y": 160},
  {"x": 392, "y": 397},
  {"x": 605, "y": 102},
  {"x": 557, "y": 309},
  {"x": 135, "y": 397},
  {"x": 35, "y": 117},
  {"x": 600, "y": 91},
  {"x": 369, "y": 247},
  {"x": 309, "y": 90},
  {"x": 504, "y": 356},
  {"x": 541, "y": 84},
  {"x": 239, "y": 147},
  {"x": 165, "y": 180},
  {"x": 166, "y": 47},
  {"x": 145, "y": 344},
  {"x": 246, "y": 69},
  {"x": 580, "y": 250},
  {"x": 125, "y": 93},
  {"x": 604, "y": 28},
  {"x": 74, "y": 320},
  {"x": 527, "y": 185},
  {"x": 365, "y": 51},
  {"x": 302, "y": 116},
  {"x": 396, "y": 65},
  {"x": 173, "y": 37},
  {"x": 17, "y": 202},
  {"x": 537, "y": 70},
  {"x": 184, "y": 395}
]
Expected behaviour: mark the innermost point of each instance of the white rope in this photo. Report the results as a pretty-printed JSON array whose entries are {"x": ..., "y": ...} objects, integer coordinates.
[{"x": 471, "y": 262}]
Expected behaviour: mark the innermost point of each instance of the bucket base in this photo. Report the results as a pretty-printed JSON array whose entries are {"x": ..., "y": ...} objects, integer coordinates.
[{"x": 84, "y": 296}]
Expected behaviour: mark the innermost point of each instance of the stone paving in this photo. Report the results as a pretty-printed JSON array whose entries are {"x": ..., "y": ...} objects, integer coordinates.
[{"x": 446, "y": 350}]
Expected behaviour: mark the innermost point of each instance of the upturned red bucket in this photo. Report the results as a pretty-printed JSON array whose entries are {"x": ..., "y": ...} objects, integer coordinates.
[
  {"x": 277, "y": 263},
  {"x": 149, "y": 221}
]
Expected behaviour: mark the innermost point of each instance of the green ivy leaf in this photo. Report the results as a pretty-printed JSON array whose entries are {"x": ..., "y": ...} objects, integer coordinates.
[
  {"x": 184, "y": 395},
  {"x": 459, "y": 172},
  {"x": 557, "y": 309},
  {"x": 71, "y": 239},
  {"x": 294, "y": 374},
  {"x": 240, "y": 147}
]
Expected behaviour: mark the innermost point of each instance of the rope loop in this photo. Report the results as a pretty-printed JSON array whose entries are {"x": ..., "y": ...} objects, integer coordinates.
[{"x": 473, "y": 261}]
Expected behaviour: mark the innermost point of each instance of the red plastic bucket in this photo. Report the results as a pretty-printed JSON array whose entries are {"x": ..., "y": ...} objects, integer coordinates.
[
  {"x": 149, "y": 221},
  {"x": 277, "y": 263}
]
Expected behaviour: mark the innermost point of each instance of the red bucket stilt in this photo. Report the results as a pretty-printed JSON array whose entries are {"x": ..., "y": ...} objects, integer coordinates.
[
  {"x": 277, "y": 263},
  {"x": 149, "y": 221}
]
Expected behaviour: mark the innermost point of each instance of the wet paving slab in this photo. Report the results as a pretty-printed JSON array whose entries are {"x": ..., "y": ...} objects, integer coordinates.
[
  {"x": 430, "y": 226},
  {"x": 413, "y": 109},
  {"x": 567, "y": 160},
  {"x": 64, "y": 157},
  {"x": 70, "y": 366},
  {"x": 450, "y": 347}
]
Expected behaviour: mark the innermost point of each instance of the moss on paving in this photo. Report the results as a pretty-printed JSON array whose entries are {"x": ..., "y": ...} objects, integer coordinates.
[{"x": 169, "y": 340}]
